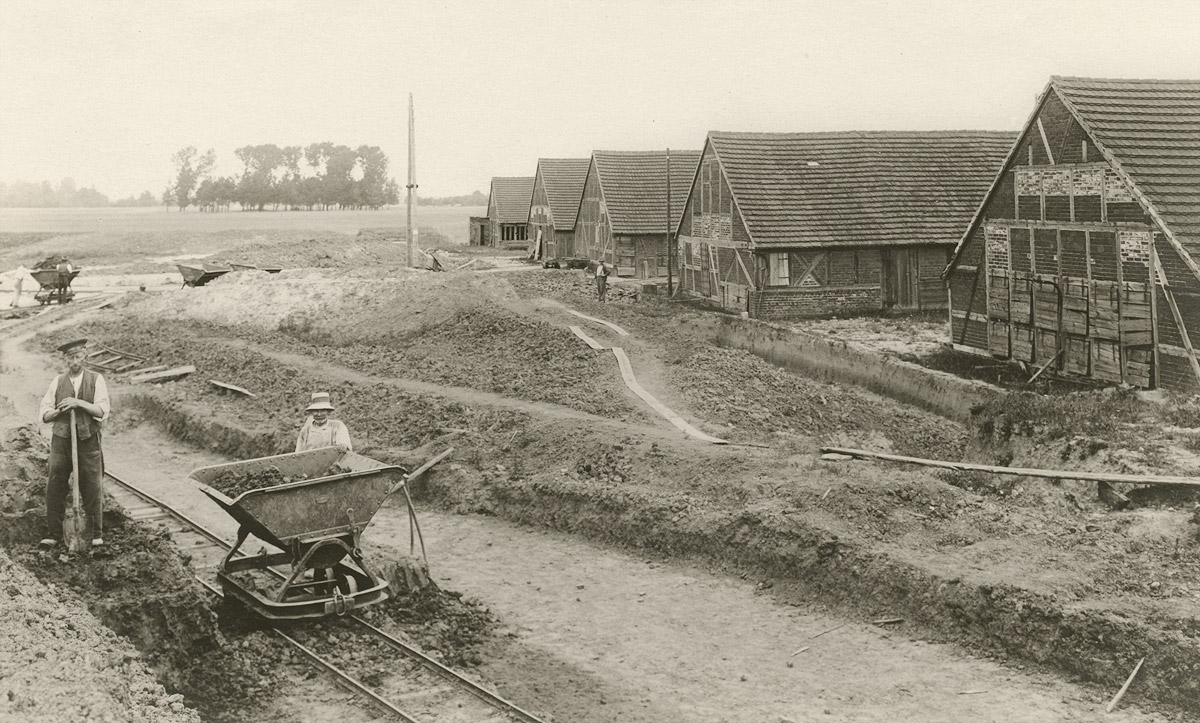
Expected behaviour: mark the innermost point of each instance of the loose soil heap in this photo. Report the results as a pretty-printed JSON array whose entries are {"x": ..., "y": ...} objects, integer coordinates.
[
  {"x": 58, "y": 663},
  {"x": 233, "y": 483}
]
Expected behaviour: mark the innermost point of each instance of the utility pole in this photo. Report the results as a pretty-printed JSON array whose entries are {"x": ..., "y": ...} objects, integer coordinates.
[
  {"x": 412, "y": 183},
  {"x": 670, "y": 249}
]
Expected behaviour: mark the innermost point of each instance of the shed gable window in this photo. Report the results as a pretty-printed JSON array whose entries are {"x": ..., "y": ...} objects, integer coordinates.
[{"x": 778, "y": 270}]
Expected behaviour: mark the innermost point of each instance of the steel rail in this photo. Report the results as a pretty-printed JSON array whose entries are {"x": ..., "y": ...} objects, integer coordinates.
[
  {"x": 471, "y": 686},
  {"x": 170, "y": 510},
  {"x": 475, "y": 689},
  {"x": 313, "y": 656}
]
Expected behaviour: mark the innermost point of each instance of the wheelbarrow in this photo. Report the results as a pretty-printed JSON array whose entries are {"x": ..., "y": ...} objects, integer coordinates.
[
  {"x": 315, "y": 523},
  {"x": 54, "y": 285},
  {"x": 201, "y": 274},
  {"x": 270, "y": 269}
]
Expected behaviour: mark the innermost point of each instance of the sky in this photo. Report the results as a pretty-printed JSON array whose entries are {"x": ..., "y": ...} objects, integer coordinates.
[{"x": 106, "y": 92}]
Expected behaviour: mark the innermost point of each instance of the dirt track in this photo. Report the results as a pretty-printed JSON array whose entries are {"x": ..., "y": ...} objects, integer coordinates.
[{"x": 555, "y": 457}]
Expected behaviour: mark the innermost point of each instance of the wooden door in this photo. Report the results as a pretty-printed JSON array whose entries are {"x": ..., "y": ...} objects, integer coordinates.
[{"x": 900, "y": 286}]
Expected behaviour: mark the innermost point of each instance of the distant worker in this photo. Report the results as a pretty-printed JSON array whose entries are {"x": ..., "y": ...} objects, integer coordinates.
[
  {"x": 85, "y": 392},
  {"x": 601, "y": 280},
  {"x": 17, "y": 284},
  {"x": 65, "y": 269},
  {"x": 321, "y": 431}
]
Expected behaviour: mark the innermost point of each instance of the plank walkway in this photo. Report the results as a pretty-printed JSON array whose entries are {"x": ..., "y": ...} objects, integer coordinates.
[{"x": 632, "y": 382}]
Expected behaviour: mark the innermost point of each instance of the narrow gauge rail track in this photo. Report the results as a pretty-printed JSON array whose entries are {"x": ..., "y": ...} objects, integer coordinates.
[{"x": 430, "y": 690}]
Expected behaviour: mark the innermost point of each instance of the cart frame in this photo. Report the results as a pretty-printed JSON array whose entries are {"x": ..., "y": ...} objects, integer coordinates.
[{"x": 316, "y": 524}]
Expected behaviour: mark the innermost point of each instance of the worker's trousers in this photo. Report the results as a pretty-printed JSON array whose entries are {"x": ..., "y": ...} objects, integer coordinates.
[{"x": 91, "y": 480}]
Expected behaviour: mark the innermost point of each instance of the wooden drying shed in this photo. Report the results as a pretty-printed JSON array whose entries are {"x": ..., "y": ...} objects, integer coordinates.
[
  {"x": 508, "y": 210},
  {"x": 623, "y": 211},
  {"x": 557, "y": 189},
  {"x": 479, "y": 231},
  {"x": 1082, "y": 258},
  {"x": 819, "y": 224}
]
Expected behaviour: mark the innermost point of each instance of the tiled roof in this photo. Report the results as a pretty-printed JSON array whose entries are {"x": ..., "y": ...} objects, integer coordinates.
[
  {"x": 564, "y": 179},
  {"x": 859, "y": 187},
  {"x": 1152, "y": 130},
  {"x": 512, "y": 195},
  {"x": 635, "y": 191}
]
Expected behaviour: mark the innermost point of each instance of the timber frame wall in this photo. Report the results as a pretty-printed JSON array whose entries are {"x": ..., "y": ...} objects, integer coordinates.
[
  {"x": 1058, "y": 270},
  {"x": 719, "y": 263},
  {"x": 641, "y": 256},
  {"x": 540, "y": 220}
]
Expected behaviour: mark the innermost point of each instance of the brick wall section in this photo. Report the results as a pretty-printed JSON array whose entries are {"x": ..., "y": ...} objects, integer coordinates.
[
  {"x": 870, "y": 266},
  {"x": 797, "y": 303},
  {"x": 843, "y": 268}
]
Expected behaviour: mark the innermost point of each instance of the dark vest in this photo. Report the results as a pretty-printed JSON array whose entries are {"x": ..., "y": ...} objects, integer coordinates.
[{"x": 85, "y": 424}]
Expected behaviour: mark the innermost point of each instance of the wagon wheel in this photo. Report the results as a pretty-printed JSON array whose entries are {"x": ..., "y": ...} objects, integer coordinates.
[{"x": 347, "y": 584}]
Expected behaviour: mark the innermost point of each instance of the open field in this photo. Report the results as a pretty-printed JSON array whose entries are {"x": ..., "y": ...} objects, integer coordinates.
[
  {"x": 642, "y": 575},
  {"x": 448, "y": 220}
]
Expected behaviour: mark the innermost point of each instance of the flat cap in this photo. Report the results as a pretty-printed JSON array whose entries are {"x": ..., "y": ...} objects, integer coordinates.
[{"x": 72, "y": 345}]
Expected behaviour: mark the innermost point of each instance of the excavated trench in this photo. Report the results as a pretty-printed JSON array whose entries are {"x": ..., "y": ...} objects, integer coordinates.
[
  {"x": 603, "y": 492},
  {"x": 825, "y": 539}
]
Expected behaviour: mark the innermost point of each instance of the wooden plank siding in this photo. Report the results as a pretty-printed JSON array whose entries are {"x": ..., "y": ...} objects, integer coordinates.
[{"x": 1067, "y": 237}]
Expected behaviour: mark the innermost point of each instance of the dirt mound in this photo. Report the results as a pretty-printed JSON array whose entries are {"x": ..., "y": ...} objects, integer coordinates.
[
  {"x": 59, "y": 663},
  {"x": 493, "y": 350},
  {"x": 137, "y": 585},
  {"x": 323, "y": 304},
  {"x": 442, "y": 623},
  {"x": 756, "y": 400}
]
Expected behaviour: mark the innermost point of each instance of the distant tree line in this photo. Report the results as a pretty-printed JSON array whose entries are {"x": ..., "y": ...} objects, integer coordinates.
[
  {"x": 319, "y": 176},
  {"x": 66, "y": 194},
  {"x": 478, "y": 198}
]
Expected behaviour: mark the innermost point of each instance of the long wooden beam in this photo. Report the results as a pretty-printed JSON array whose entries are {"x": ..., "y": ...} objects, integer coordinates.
[{"x": 1022, "y": 471}]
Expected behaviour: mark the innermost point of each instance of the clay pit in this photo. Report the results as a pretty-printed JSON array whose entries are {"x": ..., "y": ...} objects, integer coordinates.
[{"x": 590, "y": 560}]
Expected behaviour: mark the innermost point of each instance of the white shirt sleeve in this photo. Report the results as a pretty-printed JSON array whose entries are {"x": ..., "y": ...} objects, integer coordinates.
[
  {"x": 47, "y": 400},
  {"x": 341, "y": 436},
  {"x": 101, "y": 399}
]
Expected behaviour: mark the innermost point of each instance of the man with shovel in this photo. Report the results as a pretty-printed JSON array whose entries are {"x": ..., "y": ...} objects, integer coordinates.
[{"x": 76, "y": 403}]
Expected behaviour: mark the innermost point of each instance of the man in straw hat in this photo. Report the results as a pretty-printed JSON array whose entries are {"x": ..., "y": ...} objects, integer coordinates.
[
  {"x": 85, "y": 392},
  {"x": 321, "y": 431}
]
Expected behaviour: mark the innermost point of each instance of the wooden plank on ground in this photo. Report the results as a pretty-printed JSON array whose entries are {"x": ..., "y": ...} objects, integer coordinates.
[
  {"x": 587, "y": 339},
  {"x": 147, "y": 370},
  {"x": 662, "y": 409},
  {"x": 164, "y": 376},
  {"x": 1139, "y": 479},
  {"x": 231, "y": 387}
]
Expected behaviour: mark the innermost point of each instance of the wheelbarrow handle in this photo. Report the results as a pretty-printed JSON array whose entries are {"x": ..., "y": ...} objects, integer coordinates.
[{"x": 420, "y": 470}]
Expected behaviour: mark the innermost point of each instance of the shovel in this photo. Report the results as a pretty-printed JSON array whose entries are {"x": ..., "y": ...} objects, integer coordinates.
[{"x": 74, "y": 520}]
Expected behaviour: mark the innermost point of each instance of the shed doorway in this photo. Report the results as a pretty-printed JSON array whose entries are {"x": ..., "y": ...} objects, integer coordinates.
[{"x": 900, "y": 278}]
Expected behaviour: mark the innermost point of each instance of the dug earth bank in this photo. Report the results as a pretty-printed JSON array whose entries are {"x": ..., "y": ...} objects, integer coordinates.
[{"x": 635, "y": 574}]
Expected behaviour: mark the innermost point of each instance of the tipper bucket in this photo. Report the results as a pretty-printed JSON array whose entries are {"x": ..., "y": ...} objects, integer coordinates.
[{"x": 315, "y": 515}]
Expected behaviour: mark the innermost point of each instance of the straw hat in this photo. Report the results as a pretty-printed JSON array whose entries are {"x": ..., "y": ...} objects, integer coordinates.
[{"x": 320, "y": 400}]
